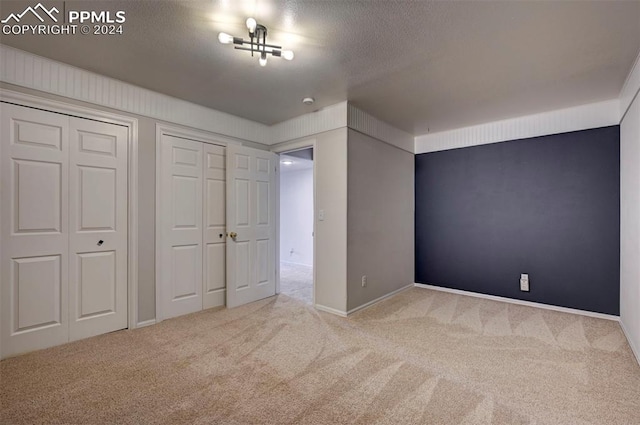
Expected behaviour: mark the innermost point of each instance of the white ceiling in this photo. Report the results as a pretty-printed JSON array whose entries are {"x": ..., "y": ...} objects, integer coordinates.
[{"x": 419, "y": 65}]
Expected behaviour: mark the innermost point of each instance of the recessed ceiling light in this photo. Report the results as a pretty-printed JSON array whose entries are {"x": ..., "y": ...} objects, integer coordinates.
[
  {"x": 308, "y": 100},
  {"x": 287, "y": 162}
]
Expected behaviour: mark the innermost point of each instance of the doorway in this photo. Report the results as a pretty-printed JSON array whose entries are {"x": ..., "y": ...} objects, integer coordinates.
[{"x": 296, "y": 224}]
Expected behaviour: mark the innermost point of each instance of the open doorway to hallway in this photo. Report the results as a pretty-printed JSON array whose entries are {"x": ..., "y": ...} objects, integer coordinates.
[{"x": 296, "y": 224}]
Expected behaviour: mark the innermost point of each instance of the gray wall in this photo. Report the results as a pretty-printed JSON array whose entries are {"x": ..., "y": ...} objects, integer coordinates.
[
  {"x": 548, "y": 206},
  {"x": 380, "y": 235}
]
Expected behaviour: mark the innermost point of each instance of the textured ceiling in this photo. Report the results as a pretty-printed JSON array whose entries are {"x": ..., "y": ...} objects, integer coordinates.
[{"x": 418, "y": 65}]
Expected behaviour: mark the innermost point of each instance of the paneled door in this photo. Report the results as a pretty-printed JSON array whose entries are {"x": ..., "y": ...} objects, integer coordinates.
[
  {"x": 97, "y": 228},
  {"x": 182, "y": 232},
  {"x": 251, "y": 215},
  {"x": 63, "y": 228},
  {"x": 214, "y": 226},
  {"x": 34, "y": 160}
]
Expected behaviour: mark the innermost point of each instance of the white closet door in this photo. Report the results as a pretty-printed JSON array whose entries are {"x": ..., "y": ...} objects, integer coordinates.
[
  {"x": 97, "y": 228},
  {"x": 251, "y": 213},
  {"x": 214, "y": 226},
  {"x": 34, "y": 257},
  {"x": 182, "y": 233}
]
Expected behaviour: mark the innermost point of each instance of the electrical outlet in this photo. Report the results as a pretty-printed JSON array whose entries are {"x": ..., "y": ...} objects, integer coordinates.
[
  {"x": 524, "y": 282},
  {"x": 364, "y": 281}
]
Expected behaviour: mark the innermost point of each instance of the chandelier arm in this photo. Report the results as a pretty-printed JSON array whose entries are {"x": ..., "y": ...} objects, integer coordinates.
[
  {"x": 273, "y": 46},
  {"x": 269, "y": 52}
]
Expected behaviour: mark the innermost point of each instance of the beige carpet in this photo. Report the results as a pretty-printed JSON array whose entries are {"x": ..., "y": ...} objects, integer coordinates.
[
  {"x": 296, "y": 281},
  {"x": 421, "y": 357}
]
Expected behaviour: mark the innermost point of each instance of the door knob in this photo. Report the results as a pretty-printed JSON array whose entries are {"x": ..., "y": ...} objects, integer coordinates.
[{"x": 233, "y": 235}]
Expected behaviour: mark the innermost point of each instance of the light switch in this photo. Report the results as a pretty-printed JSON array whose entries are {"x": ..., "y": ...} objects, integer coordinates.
[{"x": 320, "y": 215}]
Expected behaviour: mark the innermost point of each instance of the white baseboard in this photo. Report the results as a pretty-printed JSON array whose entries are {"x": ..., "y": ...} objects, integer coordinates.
[
  {"x": 635, "y": 350},
  {"x": 521, "y": 302},
  {"x": 330, "y": 310},
  {"x": 377, "y": 300},
  {"x": 146, "y": 323}
]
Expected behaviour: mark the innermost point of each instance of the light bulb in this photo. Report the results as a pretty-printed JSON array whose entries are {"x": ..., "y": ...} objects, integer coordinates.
[
  {"x": 251, "y": 24},
  {"x": 287, "y": 54},
  {"x": 225, "y": 38},
  {"x": 263, "y": 60}
]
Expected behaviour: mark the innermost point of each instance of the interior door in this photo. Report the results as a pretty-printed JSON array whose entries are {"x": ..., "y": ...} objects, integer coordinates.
[
  {"x": 34, "y": 232},
  {"x": 214, "y": 226},
  {"x": 97, "y": 228},
  {"x": 182, "y": 233},
  {"x": 251, "y": 213}
]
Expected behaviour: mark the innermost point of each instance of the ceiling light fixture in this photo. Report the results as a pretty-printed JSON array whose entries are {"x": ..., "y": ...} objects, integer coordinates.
[
  {"x": 287, "y": 162},
  {"x": 259, "y": 46}
]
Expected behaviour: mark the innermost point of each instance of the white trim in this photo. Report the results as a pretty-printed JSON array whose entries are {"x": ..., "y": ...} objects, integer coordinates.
[
  {"x": 277, "y": 235},
  {"x": 594, "y": 115},
  {"x": 635, "y": 350},
  {"x": 204, "y": 136},
  {"x": 132, "y": 219},
  {"x": 293, "y": 145},
  {"x": 146, "y": 323},
  {"x": 521, "y": 302},
  {"x": 185, "y": 133},
  {"x": 630, "y": 89},
  {"x": 35, "y": 72},
  {"x": 371, "y": 126},
  {"x": 330, "y": 310},
  {"x": 326, "y": 119},
  {"x": 377, "y": 300}
]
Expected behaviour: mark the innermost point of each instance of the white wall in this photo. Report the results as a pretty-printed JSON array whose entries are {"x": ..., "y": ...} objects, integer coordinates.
[
  {"x": 330, "y": 157},
  {"x": 296, "y": 216},
  {"x": 380, "y": 239},
  {"x": 630, "y": 225}
]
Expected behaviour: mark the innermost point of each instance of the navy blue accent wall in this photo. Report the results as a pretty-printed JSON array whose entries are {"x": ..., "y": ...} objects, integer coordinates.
[{"x": 547, "y": 206}]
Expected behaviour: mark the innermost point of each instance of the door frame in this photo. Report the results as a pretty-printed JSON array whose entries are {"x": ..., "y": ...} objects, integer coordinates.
[
  {"x": 281, "y": 148},
  {"x": 174, "y": 130},
  {"x": 64, "y": 108}
]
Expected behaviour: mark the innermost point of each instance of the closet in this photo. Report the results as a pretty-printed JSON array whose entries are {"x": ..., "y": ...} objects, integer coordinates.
[
  {"x": 215, "y": 224},
  {"x": 63, "y": 248},
  {"x": 192, "y": 226}
]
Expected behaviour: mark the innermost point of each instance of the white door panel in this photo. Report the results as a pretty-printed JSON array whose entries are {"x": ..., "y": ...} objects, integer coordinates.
[
  {"x": 251, "y": 179},
  {"x": 64, "y": 188},
  {"x": 37, "y": 297},
  {"x": 98, "y": 228},
  {"x": 34, "y": 164},
  {"x": 181, "y": 226},
  {"x": 214, "y": 226}
]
